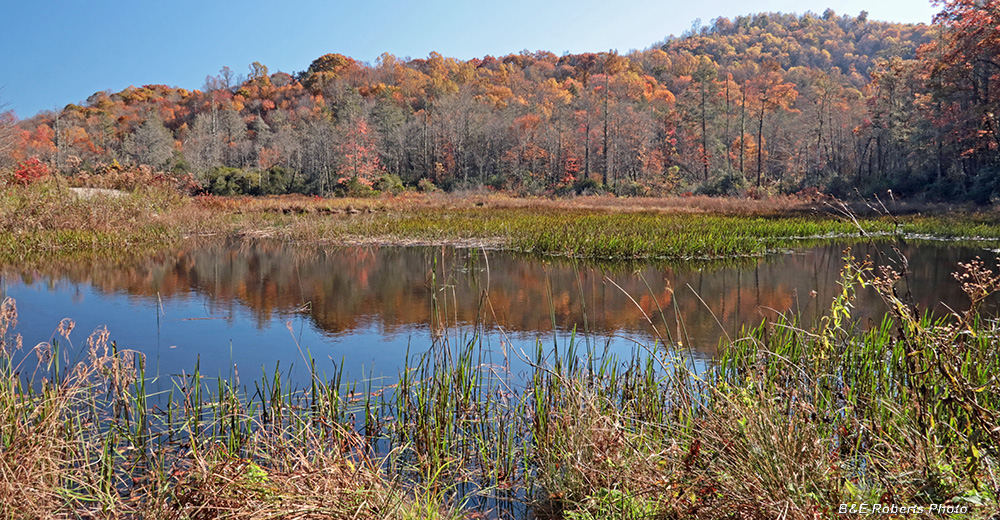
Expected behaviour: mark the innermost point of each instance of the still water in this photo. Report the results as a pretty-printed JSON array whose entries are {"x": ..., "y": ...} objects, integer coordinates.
[{"x": 261, "y": 306}]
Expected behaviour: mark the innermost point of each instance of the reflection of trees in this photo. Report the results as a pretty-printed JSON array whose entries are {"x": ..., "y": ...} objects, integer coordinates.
[{"x": 346, "y": 288}]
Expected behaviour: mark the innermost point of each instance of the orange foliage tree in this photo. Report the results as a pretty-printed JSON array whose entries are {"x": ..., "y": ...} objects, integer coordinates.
[{"x": 360, "y": 161}]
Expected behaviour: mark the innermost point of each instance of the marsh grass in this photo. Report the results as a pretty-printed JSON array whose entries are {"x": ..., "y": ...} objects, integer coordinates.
[
  {"x": 574, "y": 233},
  {"x": 85, "y": 440},
  {"x": 45, "y": 219},
  {"x": 787, "y": 422},
  {"x": 596, "y": 228}
]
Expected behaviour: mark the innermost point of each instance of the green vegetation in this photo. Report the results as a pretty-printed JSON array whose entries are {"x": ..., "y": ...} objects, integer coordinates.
[
  {"x": 597, "y": 234},
  {"x": 602, "y": 228},
  {"x": 87, "y": 439},
  {"x": 47, "y": 219},
  {"x": 786, "y": 422}
]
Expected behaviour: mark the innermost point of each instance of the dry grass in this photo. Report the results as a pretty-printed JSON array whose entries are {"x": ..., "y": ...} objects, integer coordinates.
[
  {"x": 589, "y": 446},
  {"x": 292, "y": 479},
  {"x": 48, "y": 459},
  {"x": 76, "y": 442},
  {"x": 47, "y": 219},
  {"x": 300, "y": 204},
  {"x": 765, "y": 459},
  {"x": 749, "y": 459},
  {"x": 782, "y": 205}
]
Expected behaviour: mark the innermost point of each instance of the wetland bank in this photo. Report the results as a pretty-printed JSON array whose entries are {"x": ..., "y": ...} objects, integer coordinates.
[{"x": 455, "y": 357}]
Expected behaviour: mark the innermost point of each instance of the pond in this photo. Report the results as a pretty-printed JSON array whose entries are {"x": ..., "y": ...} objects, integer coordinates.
[{"x": 252, "y": 306}]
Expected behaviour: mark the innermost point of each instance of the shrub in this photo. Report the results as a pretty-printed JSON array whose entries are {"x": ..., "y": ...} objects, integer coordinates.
[
  {"x": 286, "y": 180},
  {"x": 587, "y": 187},
  {"x": 228, "y": 181},
  {"x": 426, "y": 186},
  {"x": 30, "y": 170},
  {"x": 133, "y": 178},
  {"x": 353, "y": 187},
  {"x": 985, "y": 187},
  {"x": 727, "y": 184},
  {"x": 389, "y": 183},
  {"x": 631, "y": 189}
]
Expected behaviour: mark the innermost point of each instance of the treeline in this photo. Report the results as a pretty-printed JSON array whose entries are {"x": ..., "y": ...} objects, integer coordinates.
[{"x": 757, "y": 104}]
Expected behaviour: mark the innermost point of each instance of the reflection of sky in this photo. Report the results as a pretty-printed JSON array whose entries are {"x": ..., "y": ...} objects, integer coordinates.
[{"x": 191, "y": 332}]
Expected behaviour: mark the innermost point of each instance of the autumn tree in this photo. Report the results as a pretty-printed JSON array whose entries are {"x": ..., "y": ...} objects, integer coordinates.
[
  {"x": 359, "y": 154},
  {"x": 705, "y": 79},
  {"x": 325, "y": 70},
  {"x": 806, "y": 101},
  {"x": 891, "y": 109},
  {"x": 769, "y": 92},
  {"x": 964, "y": 72}
]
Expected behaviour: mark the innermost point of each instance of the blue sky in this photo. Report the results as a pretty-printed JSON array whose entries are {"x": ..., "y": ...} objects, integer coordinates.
[{"x": 62, "y": 51}]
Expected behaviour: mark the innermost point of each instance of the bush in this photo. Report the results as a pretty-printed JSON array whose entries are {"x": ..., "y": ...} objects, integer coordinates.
[
  {"x": 985, "y": 187},
  {"x": 727, "y": 184},
  {"x": 273, "y": 181},
  {"x": 135, "y": 178},
  {"x": 30, "y": 171},
  {"x": 426, "y": 186},
  {"x": 227, "y": 181},
  {"x": 587, "y": 187},
  {"x": 286, "y": 180},
  {"x": 631, "y": 189},
  {"x": 353, "y": 187},
  {"x": 389, "y": 183}
]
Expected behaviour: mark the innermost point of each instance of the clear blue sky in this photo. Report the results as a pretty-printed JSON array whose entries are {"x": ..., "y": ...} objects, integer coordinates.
[{"x": 62, "y": 51}]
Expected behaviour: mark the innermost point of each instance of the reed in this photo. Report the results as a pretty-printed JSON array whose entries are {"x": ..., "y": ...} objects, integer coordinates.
[{"x": 85, "y": 439}]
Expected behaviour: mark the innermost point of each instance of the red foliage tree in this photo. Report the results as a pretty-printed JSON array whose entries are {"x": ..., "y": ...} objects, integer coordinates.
[
  {"x": 30, "y": 170},
  {"x": 360, "y": 155}
]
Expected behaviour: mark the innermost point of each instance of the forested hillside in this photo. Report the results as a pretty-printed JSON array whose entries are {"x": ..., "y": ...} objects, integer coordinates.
[{"x": 753, "y": 105}]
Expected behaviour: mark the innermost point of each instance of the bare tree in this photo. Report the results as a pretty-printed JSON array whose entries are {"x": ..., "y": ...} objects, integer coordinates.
[
  {"x": 319, "y": 140},
  {"x": 151, "y": 143},
  {"x": 228, "y": 78},
  {"x": 202, "y": 148},
  {"x": 236, "y": 147},
  {"x": 8, "y": 123}
]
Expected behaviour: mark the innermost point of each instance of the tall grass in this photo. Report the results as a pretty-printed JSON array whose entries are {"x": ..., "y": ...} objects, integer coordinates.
[
  {"x": 579, "y": 233},
  {"x": 46, "y": 219},
  {"x": 85, "y": 439}
]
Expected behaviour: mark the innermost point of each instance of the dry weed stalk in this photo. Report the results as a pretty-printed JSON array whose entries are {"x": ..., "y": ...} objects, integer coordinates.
[{"x": 293, "y": 478}]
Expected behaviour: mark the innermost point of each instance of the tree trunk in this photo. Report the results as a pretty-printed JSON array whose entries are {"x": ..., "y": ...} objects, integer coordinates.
[
  {"x": 607, "y": 157},
  {"x": 760, "y": 142},
  {"x": 704, "y": 133},
  {"x": 743, "y": 126}
]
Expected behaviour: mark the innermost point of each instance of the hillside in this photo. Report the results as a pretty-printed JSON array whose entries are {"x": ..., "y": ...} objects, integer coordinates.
[
  {"x": 753, "y": 105},
  {"x": 834, "y": 44}
]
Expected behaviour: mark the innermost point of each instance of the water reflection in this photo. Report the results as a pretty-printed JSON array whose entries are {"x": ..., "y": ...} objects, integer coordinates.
[{"x": 374, "y": 301}]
